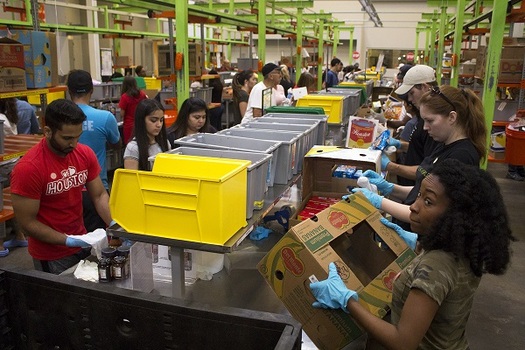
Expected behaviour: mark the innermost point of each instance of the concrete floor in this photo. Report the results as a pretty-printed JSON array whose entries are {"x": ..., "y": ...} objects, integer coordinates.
[{"x": 497, "y": 320}]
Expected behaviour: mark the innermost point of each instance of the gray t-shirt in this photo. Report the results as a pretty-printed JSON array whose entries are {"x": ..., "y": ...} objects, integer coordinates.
[
  {"x": 452, "y": 284},
  {"x": 132, "y": 150}
]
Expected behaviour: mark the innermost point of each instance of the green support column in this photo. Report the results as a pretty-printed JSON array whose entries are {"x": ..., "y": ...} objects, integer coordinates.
[
  {"x": 351, "y": 46},
  {"x": 261, "y": 38},
  {"x": 427, "y": 46},
  {"x": 336, "y": 41},
  {"x": 432, "y": 56},
  {"x": 181, "y": 33},
  {"x": 497, "y": 29},
  {"x": 416, "y": 49},
  {"x": 458, "y": 38},
  {"x": 321, "y": 59},
  {"x": 441, "y": 42},
  {"x": 299, "y": 44}
]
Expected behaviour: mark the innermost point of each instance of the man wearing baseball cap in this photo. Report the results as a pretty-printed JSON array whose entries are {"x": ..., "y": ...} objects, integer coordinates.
[
  {"x": 417, "y": 81},
  {"x": 272, "y": 77},
  {"x": 99, "y": 130}
]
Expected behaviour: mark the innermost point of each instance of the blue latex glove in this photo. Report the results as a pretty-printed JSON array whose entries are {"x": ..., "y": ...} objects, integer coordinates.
[
  {"x": 332, "y": 292},
  {"x": 372, "y": 197},
  {"x": 75, "y": 242},
  {"x": 384, "y": 161},
  {"x": 409, "y": 237},
  {"x": 394, "y": 142},
  {"x": 383, "y": 186}
]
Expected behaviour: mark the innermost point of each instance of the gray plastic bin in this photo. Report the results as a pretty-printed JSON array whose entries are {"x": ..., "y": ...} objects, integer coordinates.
[
  {"x": 305, "y": 143},
  {"x": 323, "y": 122},
  {"x": 235, "y": 143},
  {"x": 351, "y": 102},
  {"x": 318, "y": 133},
  {"x": 257, "y": 171},
  {"x": 287, "y": 151}
]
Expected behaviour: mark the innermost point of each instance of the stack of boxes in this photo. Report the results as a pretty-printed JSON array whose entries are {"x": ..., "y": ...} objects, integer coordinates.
[{"x": 39, "y": 57}]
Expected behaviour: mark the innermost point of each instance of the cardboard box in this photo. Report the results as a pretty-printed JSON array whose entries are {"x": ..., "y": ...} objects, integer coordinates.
[
  {"x": 511, "y": 64},
  {"x": 40, "y": 57},
  {"x": 345, "y": 233},
  {"x": 123, "y": 61},
  {"x": 12, "y": 70},
  {"x": 499, "y": 155},
  {"x": 318, "y": 166},
  {"x": 467, "y": 68}
]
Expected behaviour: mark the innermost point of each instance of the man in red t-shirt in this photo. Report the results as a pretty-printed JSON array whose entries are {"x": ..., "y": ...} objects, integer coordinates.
[{"x": 46, "y": 188}]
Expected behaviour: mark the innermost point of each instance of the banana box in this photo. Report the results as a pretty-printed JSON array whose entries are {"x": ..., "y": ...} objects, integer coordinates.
[
  {"x": 368, "y": 256},
  {"x": 39, "y": 54},
  {"x": 12, "y": 71}
]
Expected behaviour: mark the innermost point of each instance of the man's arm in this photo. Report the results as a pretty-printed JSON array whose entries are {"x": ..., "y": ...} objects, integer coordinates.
[
  {"x": 26, "y": 210},
  {"x": 100, "y": 198}
]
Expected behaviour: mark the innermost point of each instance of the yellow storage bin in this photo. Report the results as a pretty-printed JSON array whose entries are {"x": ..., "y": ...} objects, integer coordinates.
[
  {"x": 51, "y": 96},
  {"x": 188, "y": 198},
  {"x": 153, "y": 84},
  {"x": 332, "y": 105}
]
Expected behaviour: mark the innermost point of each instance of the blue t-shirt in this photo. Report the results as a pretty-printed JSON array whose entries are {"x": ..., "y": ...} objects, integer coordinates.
[
  {"x": 331, "y": 79},
  {"x": 27, "y": 121},
  {"x": 99, "y": 127}
]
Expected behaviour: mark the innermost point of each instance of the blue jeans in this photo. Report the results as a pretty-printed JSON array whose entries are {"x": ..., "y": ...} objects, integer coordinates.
[{"x": 58, "y": 266}]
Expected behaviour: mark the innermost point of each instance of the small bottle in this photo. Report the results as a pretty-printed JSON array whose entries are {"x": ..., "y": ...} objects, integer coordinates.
[
  {"x": 118, "y": 267},
  {"x": 124, "y": 251},
  {"x": 104, "y": 270}
]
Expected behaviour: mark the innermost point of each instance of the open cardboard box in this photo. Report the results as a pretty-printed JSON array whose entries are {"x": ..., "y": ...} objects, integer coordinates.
[
  {"x": 345, "y": 233},
  {"x": 319, "y": 164}
]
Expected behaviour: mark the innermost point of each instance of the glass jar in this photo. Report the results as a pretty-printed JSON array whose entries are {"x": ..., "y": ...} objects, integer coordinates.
[
  {"x": 118, "y": 267},
  {"x": 124, "y": 251},
  {"x": 104, "y": 270}
]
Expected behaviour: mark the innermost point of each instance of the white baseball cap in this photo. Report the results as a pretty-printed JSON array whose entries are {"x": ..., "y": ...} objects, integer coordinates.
[{"x": 419, "y": 74}]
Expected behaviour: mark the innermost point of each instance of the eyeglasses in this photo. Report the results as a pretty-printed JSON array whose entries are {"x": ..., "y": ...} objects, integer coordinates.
[{"x": 435, "y": 91}]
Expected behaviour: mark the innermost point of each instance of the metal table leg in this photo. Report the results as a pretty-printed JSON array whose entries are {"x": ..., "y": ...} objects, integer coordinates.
[{"x": 177, "y": 271}]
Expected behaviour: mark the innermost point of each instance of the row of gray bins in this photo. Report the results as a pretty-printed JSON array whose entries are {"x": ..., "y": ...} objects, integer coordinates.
[{"x": 275, "y": 144}]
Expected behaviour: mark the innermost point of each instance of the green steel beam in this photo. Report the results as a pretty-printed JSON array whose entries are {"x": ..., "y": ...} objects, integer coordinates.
[
  {"x": 261, "y": 39},
  {"x": 181, "y": 30},
  {"x": 441, "y": 41},
  {"x": 249, "y": 5},
  {"x": 299, "y": 45},
  {"x": 320, "y": 51},
  {"x": 498, "y": 15},
  {"x": 456, "y": 48}
]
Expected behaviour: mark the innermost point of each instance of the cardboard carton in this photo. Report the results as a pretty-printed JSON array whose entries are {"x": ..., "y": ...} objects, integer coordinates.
[
  {"x": 12, "y": 71},
  {"x": 39, "y": 57},
  {"x": 346, "y": 233},
  {"x": 511, "y": 64},
  {"x": 123, "y": 61}
]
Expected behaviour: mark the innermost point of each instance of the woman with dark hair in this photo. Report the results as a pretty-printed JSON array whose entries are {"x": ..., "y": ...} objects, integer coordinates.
[
  {"x": 464, "y": 228},
  {"x": 242, "y": 85},
  {"x": 130, "y": 98},
  {"x": 193, "y": 118},
  {"x": 9, "y": 114},
  {"x": 149, "y": 135},
  {"x": 454, "y": 118},
  {"x": 307, "y": 80}
]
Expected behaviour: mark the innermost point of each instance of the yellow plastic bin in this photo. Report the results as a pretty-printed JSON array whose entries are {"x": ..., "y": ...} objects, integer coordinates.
[
  {"x": 188, "y": 198},
  {"x": 153, "y": 83},
  {"x": 332, "y": 105}
]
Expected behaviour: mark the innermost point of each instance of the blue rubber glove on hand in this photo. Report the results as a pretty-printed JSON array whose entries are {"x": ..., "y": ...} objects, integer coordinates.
[
  {"x": 384, "y": 161},
  {"x": 332, "y": 292},
  {"x": 372, "y": 197},
  {"x": 409, "y": 237},
  {"x": 75, "y": 242},
  {"x": 383, "y": 186},
  {"x": 394, "y": 142}
]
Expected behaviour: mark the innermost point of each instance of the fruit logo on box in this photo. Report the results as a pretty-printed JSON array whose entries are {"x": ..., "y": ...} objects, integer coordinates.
[
  {"x": 292, "y": 262},
  {"x": 338, "y": 219},
  {"x": 388, "y": 280}
]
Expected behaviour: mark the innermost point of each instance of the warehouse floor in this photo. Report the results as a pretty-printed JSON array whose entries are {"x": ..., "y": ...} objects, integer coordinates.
[{"x": 497, "y": 320}]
